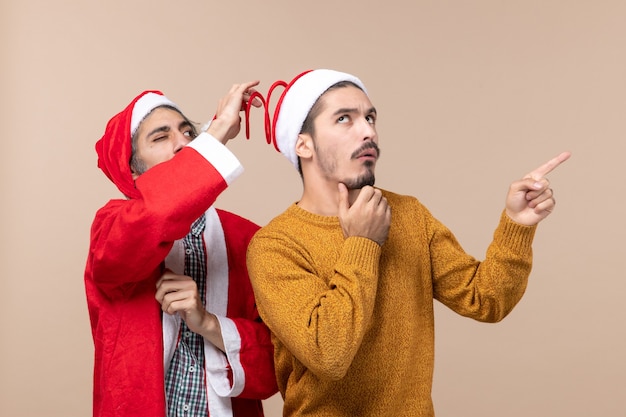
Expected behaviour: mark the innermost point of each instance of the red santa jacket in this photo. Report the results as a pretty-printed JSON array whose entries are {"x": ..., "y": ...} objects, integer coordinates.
[{"x": 130, "y": 240}]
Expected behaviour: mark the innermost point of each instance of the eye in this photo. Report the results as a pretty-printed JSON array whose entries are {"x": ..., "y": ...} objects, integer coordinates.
[
  {"x": 190, "y": 133},
  {"x": 343, "y": 119},
  {"x": 159, "y": 138},
  {"x": 371, "y": 119}
]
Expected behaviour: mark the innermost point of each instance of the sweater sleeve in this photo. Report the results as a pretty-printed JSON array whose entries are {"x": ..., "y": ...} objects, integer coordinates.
[
  {"x": 130, "y": 238},
  {"x": 320, "y": 319},
  {"x": 486, "y": 291}
]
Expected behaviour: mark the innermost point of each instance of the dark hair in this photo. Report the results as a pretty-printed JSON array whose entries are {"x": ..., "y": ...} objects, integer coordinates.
[
  {"x": 137, "y": 165},
  {"x": 307, "y": 125}
]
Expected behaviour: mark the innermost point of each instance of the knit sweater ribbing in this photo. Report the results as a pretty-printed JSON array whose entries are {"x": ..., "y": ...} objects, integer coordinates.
[{"x": 353, "y": 322}]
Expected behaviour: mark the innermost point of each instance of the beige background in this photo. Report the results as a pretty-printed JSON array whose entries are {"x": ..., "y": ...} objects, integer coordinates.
[{"x": 471, "y": 95}]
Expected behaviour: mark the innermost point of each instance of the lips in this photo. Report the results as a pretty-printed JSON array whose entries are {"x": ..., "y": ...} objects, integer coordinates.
[
  {"x": 368, "y": 154},
  {"x": 368, "y": 151}
]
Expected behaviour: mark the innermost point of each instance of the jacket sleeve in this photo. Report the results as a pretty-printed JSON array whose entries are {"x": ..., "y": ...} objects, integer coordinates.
[
  {"x": 130, "y": 238},
  {"x": 485, "y": 291},
  {"x": 247, "y": 370},
  {"x": 321, "y": 321}
]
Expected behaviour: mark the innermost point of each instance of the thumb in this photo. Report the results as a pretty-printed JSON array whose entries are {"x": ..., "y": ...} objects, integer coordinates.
[
  {"x": 167, "y": 274},
  {"x": 342, "y": 198}
]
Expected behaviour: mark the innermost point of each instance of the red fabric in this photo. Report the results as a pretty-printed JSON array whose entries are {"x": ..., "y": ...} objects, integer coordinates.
[
  {"x": 114, "y": 149},
  {"x": 257, "y": 351},
  {"x": 130, "y": 238}
]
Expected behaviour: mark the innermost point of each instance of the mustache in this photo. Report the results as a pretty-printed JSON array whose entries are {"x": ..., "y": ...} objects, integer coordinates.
[{"x": 365, "y": 147}]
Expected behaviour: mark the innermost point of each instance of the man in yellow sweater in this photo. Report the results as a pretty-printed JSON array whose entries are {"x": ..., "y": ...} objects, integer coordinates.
[{"x": 345, "y": 278}]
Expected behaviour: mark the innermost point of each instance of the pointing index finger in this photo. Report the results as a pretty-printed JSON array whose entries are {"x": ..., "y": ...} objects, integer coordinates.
[{"x": 549, "y": 166}]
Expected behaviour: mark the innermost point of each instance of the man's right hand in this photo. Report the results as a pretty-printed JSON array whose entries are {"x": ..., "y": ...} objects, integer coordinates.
[
  {"x": 369, "y": 216},
  {"x": 178, "y": 294}
]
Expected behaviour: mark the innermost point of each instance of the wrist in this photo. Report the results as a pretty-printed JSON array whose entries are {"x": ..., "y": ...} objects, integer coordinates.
[
  {"x": 212, "y": 331},
  {"x": 218, "y": 130}
]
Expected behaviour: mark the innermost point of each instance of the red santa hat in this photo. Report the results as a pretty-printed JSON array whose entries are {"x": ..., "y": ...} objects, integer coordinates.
[
  {"x": 294, "y": 105},
  {"x": 114, "y": 149}
]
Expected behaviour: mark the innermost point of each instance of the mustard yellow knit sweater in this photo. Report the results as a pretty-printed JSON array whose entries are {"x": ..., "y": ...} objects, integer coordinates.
[{"x": 353, "y": 322}]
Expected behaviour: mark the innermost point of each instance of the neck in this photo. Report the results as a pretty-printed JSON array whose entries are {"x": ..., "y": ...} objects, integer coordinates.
[{"x": 323, "y": 199}]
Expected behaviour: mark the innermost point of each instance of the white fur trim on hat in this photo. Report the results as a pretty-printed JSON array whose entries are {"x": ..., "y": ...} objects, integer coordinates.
[
  {"x": 145, "y": 105},
  {"x": 297, "y": 103}
]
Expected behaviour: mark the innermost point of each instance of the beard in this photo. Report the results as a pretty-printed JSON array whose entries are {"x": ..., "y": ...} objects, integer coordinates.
[
  {"x": 137, "y": 165},
  {"x": 328, "y": 167},
  {"x": 363, "y": 180},
  {"x": 368, "y": 178}
]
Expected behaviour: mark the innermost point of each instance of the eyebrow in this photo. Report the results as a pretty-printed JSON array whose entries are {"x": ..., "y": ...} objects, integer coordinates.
[
  {"x": 353, "y": 110},
  {"x": 161, "y": 129},
  {"x": 158, "y": 130}
]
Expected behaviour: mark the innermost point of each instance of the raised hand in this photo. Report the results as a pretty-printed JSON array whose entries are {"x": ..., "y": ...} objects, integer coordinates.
[
  {"x": 531, "y": 199},
  {"x": 369, "y": 216},
  {"x": 227, "y": 121}
]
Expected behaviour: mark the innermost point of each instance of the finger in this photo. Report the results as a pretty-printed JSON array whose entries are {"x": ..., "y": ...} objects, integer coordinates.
[
  {"x": 162, "y": 291},
  {"x": 248, "y": 85},
  {"x": 376, "y": 199},
  {"x": 170, "y": 276},
  {"x": 366, "y": 194},
  {"x": 167, "y": 273},
  {"x": 175, "y": 283},
  {"x": 176, "y": 301},
  {"x": 256, "y": 102},
  {"x": 549, "y": 166},
  {"x": 534, "y": 188},
  {"x": 545, "y": 206},
  {"x": 236, "y": 95},
  {"x": 535, "y": 201},
  {"x": 342, "y": 198},
  {"x": 163, "y": 288},
  {"x": 168, "y": 306},
  {"x": 248, "y": 92},
  {"x": 244, "y": 88},
  {"x": 381, "y": 205}
]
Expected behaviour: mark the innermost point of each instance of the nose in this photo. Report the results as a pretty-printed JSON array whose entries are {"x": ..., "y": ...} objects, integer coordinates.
[
  {"x": 367, "y": 129},
  {"x": 180, "y": 141}
]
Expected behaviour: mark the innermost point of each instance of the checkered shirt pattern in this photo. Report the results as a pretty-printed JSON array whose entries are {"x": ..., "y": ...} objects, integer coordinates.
[{"x": 185, "y": 383}]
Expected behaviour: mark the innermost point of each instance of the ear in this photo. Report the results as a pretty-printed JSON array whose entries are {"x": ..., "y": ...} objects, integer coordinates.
[{"x": 304, "y": 146}]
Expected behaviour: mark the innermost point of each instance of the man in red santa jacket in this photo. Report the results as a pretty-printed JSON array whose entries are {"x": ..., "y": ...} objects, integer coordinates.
[{"x": 173, "y": 316}]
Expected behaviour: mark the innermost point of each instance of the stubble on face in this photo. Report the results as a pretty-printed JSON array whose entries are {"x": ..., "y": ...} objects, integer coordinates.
[
  {"x": 368, "y": 178},
  {"x": 328, "y": 166},
  {"x": 363, "y": 180},
  {"x": 358, "y": 170}
]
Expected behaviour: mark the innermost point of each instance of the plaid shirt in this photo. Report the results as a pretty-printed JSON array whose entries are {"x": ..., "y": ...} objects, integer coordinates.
[{"x": 185, "y": 383}]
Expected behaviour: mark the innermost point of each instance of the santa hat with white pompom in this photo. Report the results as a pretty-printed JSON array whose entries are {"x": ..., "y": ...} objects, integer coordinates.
[{"x": 115, "y": 148}]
